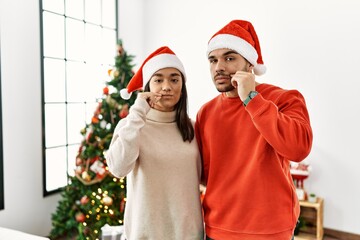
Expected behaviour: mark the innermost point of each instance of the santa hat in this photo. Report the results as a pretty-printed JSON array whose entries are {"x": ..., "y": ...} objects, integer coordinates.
[
  {"x": 240, "y": 36},
  {"x": 163, "y": 57}
]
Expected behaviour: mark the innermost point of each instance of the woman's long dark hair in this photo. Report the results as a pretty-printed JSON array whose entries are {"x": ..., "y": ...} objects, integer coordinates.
[{"x": 182, "y": 118}]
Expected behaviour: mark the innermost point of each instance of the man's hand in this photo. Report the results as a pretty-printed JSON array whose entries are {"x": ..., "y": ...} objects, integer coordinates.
[{"x": 244, "y": 82}]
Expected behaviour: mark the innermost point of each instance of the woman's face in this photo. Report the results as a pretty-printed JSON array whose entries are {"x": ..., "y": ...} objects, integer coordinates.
[{"x": 168, "y": 82}]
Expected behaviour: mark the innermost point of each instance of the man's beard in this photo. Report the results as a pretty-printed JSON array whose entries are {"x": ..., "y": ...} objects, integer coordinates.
[
  {"x": 223, "y": 87},
  {"x": 229, "y": 87}
]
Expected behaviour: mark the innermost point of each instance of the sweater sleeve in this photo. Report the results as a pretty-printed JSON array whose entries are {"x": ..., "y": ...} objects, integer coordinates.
[
  {"x": 124, "y": 146},
  {"x": 284, "y": 123}
]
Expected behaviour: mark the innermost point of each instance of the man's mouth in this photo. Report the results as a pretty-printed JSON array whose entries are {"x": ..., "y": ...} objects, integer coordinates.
[{"x": 222, "y": 77}]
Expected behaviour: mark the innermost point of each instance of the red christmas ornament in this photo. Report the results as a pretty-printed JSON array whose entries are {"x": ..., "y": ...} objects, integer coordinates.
[
  {"x": 120, "y": 49},
  {"x": 84, "y": 200},
  {"x": 95, "y": 120},
  {"x": 89, "y": 137},
  {"x": 80, "y": 217},
  {"x": 78, "y": 161},
  {"x": 124, "y": 111},
  {"x": 92, "y": 160},
  {"x": 98, "y": 109},
  {"x": 80, "y": 149},
  {"x": 106, "y": 90},
  {"x": 122, "y": 205},
  {"x": 101, "y": 176}
]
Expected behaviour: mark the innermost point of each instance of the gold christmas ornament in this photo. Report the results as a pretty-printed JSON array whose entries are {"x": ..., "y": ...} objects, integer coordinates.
[
  {"x": 85, "y": 175},
  {"x": 107, "y": 200}
]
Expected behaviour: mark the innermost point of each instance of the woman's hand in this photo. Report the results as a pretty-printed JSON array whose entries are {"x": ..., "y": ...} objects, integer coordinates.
[{"x": 150, "y": 97}]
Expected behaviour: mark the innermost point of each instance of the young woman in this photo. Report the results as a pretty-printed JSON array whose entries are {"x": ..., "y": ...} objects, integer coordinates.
[{"x": 155, "y": 147}]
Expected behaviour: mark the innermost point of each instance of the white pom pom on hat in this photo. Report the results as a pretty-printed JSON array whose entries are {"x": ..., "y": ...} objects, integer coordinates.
[
  {"x": 240, "y": 36},
  {"x": 161, "y": 58},
  {"x": 125, "y": 94}
]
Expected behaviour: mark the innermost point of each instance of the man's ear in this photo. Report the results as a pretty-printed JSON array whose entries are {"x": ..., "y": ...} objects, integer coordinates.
[{"x": 251, "y": 68}]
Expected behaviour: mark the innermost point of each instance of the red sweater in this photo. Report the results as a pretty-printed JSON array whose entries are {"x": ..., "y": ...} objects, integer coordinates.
[{"x": 246, "y": 152}]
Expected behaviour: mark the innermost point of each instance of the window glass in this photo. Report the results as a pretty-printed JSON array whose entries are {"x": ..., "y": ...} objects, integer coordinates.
[
  {"x": 55, "y": 168},
  {"x": 78, "y": 47},
  {"x": 53, "y": 35},
  {"x": 55, "y": 124},
  {"x": 56, "y": 6},
  {"x": 75, "y": 8},
  {"x": 95, "y": 80},
  {"x": 109, "y": 49},
  {"x": 93, "y": 11},
  {"x": 90, "y": 109},
  {"x": 54, "y": 80},
  {"x": 72, "y": 151},
  {"x": 93, "y": 38},
  {"x": 109, "y": 13},
  {"x": 75, "y": 116},
  {"x": 74, "y": 39},
  {"x": 76, "y": 81}
]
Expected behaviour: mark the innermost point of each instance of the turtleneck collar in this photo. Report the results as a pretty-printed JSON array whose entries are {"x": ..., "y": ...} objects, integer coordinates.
[{"x": 163, "y": 117}]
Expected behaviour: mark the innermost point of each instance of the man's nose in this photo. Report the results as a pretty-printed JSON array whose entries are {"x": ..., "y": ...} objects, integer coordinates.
[{"x": 220, "y": 66}]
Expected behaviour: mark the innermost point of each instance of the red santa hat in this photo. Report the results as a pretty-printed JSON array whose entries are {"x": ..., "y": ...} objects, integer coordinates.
[
  {"x": 240, "y": 36},
  {"x": 163, "y": 57}
]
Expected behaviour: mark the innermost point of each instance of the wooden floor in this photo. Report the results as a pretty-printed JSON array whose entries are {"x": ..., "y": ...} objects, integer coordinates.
[
  {"x": 325, "y": 238},
  {"x": 314, "y": 238}
]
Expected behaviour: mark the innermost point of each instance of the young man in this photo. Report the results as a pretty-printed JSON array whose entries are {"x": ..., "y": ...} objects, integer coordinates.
[{"x": 247, "y": 136}]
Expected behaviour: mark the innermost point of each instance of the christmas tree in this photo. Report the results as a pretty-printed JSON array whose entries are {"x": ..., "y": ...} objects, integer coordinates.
[{"x": 93, "y": 196}]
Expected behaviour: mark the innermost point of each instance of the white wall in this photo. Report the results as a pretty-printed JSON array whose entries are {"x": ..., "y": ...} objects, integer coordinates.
[
  {"x": 308, "y": 45},
  {"x": 133, "y": 34},
  {"x": 25, "y": 207}
]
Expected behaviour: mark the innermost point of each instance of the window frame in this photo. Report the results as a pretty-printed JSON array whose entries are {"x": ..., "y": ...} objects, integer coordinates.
[
  {"x": 2, "y": 193},
  {"x": 43, "y": 102}
]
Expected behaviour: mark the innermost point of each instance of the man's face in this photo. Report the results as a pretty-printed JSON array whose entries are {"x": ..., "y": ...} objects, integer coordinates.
[{"x": 223, "y": 63}]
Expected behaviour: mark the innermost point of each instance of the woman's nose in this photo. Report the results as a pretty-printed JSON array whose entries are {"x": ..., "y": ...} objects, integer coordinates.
[{"x": 166, "y": 86}]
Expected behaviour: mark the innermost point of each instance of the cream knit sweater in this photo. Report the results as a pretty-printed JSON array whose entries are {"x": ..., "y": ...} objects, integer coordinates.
[{"x": 163, "y": 172}]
